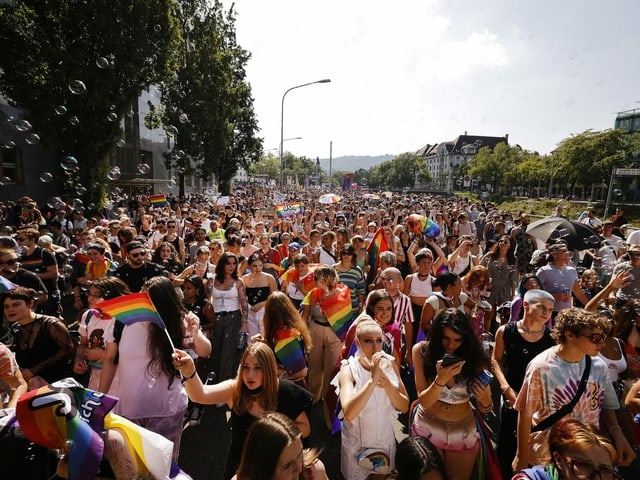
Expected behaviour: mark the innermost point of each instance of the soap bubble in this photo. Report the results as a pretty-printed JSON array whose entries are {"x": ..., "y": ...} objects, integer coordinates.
[
  {"x": 23, "y": 126},
  {"x": 102, "y": 62},
  {"x": 113, "y": 174},
  {"x": 80, "y": 190},
  {"x": 76, "y": 204},
  {"x": 172, "y": 131},
  {"x": 60, "y": 110},
  {"x": 91, "y": 206},
  {"x": 9, "y": 144},
  {"x": 172, "y": 184},
  {"x": 68, "y": 271},
  {"x": 74, "y": 121},
  {"x": 157, "y": 27},
  {"x": 191, "y": 47},
  {"x": 55, "y": 203},
  {"x": 46, "y": 177},
  {"x": 4, "y": 181},
  {"x": 68, "y": 163},
  {"x": 144, "y": 168},
  {"x": 121, "y": 143},
  {"x": 77, "y": 87},
  {"x": 33, "y": 139},
  {"x": 112, "y": 116},
  {"x": 180, "y": 153}
]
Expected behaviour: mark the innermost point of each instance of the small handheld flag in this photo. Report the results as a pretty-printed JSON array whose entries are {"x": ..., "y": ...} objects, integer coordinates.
[
  {"x": 158, "y": 200},
  {"x": 6, "y": 285},
  {"x": 132, "y": 308}
]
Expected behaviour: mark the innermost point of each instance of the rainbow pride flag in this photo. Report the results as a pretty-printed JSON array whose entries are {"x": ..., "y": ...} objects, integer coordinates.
[
  {"x": 290, "y": 350},
  {"x": 292, "y": 275},
  {"x": 289, "y": 209},
  {"x": 132, "y": 308},
  {"x": 337, "y": 308},
  {"x": 67, "y": 416},
  {"x": 158, "y": 200},
  {"x": 377, "y": 245},
  {"x": 7, "y": 364},
  {"x": 6, "y": 284}
]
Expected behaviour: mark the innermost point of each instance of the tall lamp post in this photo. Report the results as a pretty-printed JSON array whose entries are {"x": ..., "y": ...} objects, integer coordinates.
[{"x": 325, "y": 80}]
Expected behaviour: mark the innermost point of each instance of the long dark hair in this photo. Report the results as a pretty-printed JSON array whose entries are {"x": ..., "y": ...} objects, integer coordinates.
[
  {"x": 222, "y": 262},
  {"x": 470, "y": 349},
  {"x": 494, "y": 253},
  {"x": 377, "y": 296},
  {"x": 166, "y": 300}
]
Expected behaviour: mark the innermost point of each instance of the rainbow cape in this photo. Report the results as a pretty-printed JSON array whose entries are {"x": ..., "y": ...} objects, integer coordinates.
[
  {"x": 289, "y": 209},
  {"x": 337, "y": 309},
  {"x": 158, "y": 200},
  {"x": 377, "y": 245},
  {"x": 132, "y": 308},
  {"x": 67, "y": 416},
  {"x": 289, "y": 350},
  {"x": 6, "y": 285}
]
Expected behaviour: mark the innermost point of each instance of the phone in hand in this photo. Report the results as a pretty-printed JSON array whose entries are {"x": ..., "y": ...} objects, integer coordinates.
[{"x": 449, "y": 359}]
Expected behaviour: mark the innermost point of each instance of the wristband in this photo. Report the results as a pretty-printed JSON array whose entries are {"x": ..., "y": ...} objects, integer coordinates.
[
  {"x": 186, "y": 379},
  {"x": 506, "y": 389},
  {"x": 441, "y": 386}
]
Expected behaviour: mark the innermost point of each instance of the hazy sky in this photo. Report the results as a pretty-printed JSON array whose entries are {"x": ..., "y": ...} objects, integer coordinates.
[{"x": 407, "y": 73}]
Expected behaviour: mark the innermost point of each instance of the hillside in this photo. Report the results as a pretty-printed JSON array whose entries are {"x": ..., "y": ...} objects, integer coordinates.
[{"x": 354, "y": 162}]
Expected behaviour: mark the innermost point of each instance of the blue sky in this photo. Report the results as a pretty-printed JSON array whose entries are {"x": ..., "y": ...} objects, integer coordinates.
[{"x": 412, "y": 72}]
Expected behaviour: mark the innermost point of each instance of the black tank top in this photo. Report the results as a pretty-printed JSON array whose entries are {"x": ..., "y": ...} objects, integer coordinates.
[{"x": 518, "y": 353}]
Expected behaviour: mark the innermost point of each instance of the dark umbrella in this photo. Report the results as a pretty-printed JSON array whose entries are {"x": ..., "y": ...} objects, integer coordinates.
[{"x": 577, "y": 235}]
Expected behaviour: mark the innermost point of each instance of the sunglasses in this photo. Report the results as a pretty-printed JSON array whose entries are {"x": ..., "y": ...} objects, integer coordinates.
[
  {"x": 596, "y": 338},
  {"x": 171, "y": 226},
  {"x": 12, "y": 261},
  {"x": 137, "y": 254}
]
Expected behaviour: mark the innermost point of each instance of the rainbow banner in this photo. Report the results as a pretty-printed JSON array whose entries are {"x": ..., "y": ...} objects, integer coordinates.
[
  {"x": 158, "y": 200},
  {"x": 289, "y": 209},
  {"x": 337, "y": 308},
  {"x": 132, "y": 308},
  {"x": 6, "y": 285},
  {"x": 377, "y": 245},
  {"x": 290, "y": 350},
  {"x": 67, "y": 416}
]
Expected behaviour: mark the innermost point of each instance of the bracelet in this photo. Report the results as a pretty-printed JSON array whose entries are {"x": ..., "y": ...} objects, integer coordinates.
[
  {"x": 441, "y": 386},
  {"x": 186, "y": 379},
  {"x": 487, "y": 407},
  {"x": 506, "y": 389}
]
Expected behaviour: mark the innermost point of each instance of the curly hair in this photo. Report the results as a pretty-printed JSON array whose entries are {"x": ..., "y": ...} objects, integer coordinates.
[
  {"x": 470, "y": 349},
  {"x": 575, "y": 320}
]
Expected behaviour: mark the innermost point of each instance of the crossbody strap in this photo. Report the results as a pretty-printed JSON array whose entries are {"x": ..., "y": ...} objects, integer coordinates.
[{"x": 558, "y": 414}]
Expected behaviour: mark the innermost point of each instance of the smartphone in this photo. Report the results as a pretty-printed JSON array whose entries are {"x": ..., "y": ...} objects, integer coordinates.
[{"x": 449, "y": 359}]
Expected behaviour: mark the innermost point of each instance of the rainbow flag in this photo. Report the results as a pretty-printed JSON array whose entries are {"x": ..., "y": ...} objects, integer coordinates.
[
  {"x": 132, "y": 308},
  {"x": 6, "y": 284},
  {"x": 377, "y": 245},
  {"x": 67, "y": 416},
  {"x": 337, "y": 308},
  {"x": 292, "y": 275},
  {"x": 289, "y": 209},
  {"x": 158, "y": 200},
  {"x": 290, "y": 350},
  {"x": 6, "y": 362}
]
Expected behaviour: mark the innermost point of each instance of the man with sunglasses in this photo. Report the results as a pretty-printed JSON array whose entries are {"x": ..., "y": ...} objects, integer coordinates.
[
  {"x": 552, "y": 380},
  {"x": 632, "y": 267},
  {"x": 137, "y": 270},
  {"x": 11, "y": 270}
]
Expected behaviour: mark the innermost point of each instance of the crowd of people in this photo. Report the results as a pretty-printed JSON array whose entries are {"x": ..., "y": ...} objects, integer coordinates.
[{"x": 505, "y": 353}]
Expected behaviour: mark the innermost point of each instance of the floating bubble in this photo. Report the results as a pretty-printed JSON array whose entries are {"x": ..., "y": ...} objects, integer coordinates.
[
  {"x": 74, "y": 120},
  {"x": 112, "y": 116},
  {"x": 60, "y": 110},
  {"x": 183, "y": 118},
  {"x": 76, "y": 204},
  {"x": 77, "y": 87},
  {"x": 9, "y": 144},
  {"x": 179, "y": 170},
  {"x": 55, "y": 203},
  {"x": 5, "y": 180},
  {"x": 23, "y": 126},
  {"x": 143, "y": 168},
  {"x": 121, "y": 143},
  {"x": 191, "y": 47},
  {"x": 172, "y": 184},
  {"x": 157, "y": 27},
  {"x": 113, "y": 174},
  {"x": 91, "y": 206},
  {"x": 46, "y": 177},
  {"x": 69, "y": 446},
  {"x": 593, "y": 239},
  {"x": 102, "y": 62},
  {"x": 68, "y": 271},
  {"x": 80, "y": 190},
  {"x": 112, "y": 108},
  {"x": 180, "y": 153},
  {"x": 172, "y": 131},
  {"x": 33, "y": 139},
  {"x": 153, "y": 57},
  {"x": 68, "y": 163}
]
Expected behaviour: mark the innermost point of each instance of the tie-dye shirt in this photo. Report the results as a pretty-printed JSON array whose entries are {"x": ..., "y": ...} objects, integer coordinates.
[{"x": 550, "y": 383}]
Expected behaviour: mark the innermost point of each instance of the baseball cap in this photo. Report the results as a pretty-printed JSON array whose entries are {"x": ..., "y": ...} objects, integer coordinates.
[{"x": 295, "y": 246}]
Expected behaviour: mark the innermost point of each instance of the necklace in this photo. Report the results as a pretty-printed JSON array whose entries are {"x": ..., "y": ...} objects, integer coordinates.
[
  {"x": 422, "y": 277},
  {"x": 530, "y": 332}
]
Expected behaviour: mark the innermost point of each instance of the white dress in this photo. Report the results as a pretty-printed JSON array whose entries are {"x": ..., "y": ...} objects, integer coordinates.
[{"x": 372, "y": 428}]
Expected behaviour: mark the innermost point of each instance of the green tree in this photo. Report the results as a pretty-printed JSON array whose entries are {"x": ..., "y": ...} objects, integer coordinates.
[
  {"x": 400, "y": 172},
  {"x": 77, "y": 68},
  {"x": 268, "y": 165},
  {"x": 207, "y": 104}
]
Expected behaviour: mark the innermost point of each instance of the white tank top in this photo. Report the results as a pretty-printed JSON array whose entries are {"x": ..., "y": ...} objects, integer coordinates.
[
  {"x": 420, "y": 288},
  {"x": 225, "y": 300}
]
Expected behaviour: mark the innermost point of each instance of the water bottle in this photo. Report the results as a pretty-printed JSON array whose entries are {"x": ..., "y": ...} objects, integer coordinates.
[
  {"x": 636, "y": 419},
  {"x": 242, "y": 341}
]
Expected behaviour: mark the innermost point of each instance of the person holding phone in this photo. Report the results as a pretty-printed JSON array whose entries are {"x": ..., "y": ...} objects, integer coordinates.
[{"x": 449, "y": 371}]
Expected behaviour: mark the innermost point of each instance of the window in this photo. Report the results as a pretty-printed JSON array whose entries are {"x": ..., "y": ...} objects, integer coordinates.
[{"x": 11, "y": 164}]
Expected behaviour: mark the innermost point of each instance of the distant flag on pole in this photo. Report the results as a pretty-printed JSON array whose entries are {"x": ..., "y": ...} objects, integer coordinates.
[{"x": 158, "y": 200}]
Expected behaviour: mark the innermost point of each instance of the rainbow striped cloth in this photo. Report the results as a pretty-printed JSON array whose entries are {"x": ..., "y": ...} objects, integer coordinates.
[
  {"x": 290, "y": 350},
  {"x": 158, "y": 200},
  {"x": 67, "y": 416},
  {"x": 292, "y": 275},
  {"x": 377, "y": 245},
  {"x": 289, "y": 209},
  {"x": 337, "y": 308},
  {"x": 6, "y": 285},
  {"x": 132, "y": 308},
  {"x": 7, "y": 363}
]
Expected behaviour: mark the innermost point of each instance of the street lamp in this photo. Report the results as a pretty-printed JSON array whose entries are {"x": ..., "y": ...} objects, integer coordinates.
[{"x": 325, "y": 80}]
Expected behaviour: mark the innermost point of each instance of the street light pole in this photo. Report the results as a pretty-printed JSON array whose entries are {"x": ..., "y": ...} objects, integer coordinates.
[{"x": 325, "y": 80}]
